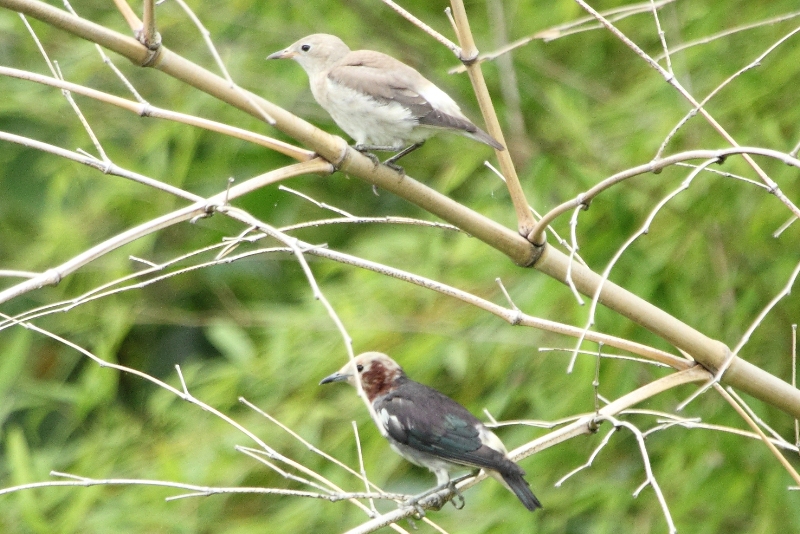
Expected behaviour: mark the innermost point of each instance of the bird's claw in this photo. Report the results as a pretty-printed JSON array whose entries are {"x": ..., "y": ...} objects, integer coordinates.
[
  {"x": 395, "y": 167},
  {"x": 366, "y": 150},
  {"x": 458, "y": 499},
  {"x": 419, "y": 512},
  {"x": 455, "y": 496},
  {"x": 373, "y": 158},
  {"x": 438, "y": 497}
]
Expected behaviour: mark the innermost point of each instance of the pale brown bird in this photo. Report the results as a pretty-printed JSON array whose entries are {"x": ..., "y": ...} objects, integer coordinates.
[{"x": 382, "y": 103}]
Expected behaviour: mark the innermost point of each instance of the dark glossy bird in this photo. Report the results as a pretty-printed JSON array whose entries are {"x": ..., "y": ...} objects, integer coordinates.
[{"x": 429, "y": 428}]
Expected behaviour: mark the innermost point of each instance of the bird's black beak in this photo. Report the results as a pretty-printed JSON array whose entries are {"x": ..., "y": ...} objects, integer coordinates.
[{"x": 335, "y": 377}]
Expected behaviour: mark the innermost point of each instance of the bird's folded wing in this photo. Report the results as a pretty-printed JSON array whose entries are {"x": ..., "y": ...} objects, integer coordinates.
[
  {"x": 433, "y": 423},
  {"x": 388, "y": 80}
]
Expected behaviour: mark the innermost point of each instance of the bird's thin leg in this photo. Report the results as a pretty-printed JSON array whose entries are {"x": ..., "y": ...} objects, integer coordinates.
[
  {"x": 372, "y": 148},
  {"x": 409, "y": 149},
  {"x": 367, "y": 151}
]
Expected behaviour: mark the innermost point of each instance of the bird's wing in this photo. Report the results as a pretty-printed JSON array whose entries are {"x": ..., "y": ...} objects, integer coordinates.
[
  {"x": 426, "y": 420},
  {"x": 388, "y": 80}
]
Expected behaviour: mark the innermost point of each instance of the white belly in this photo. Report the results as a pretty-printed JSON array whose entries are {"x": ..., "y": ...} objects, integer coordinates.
[{"x": 370, "y": 122}]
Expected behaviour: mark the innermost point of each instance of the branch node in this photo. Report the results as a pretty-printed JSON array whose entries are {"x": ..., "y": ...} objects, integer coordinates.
[
  {"x": 145, "y": 110},
  {"x": 208, "y": 211},
  {"x": 151, "y": 44},
  {"x": 468, "y": 60},
  {"x": 53, "y": 277},
  {"x": 154, "y": 50}
]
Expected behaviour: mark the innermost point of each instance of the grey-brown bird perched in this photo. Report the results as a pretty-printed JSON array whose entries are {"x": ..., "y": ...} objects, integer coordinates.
[
  {"x": 431, "y": 429},
  {"x": 382, "y": 103}
]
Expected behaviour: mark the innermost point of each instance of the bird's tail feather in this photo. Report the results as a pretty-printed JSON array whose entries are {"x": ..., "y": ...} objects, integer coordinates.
[
  {"x": 518, "y": 484},
  {"x": 483, "y": 137}
]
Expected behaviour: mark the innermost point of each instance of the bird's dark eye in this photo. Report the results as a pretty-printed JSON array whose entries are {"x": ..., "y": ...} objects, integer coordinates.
[
  {"x": 305, "y": 47},
  {"x": 360, "y": 367}
]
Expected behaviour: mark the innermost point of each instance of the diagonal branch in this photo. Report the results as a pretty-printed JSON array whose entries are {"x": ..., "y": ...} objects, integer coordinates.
[{"x": 709, "y": 352}]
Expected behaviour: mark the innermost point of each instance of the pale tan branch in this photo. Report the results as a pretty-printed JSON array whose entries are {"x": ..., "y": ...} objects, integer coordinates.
[
  {"x": 146, "y": 110},
  {"x": 525, "y": 220},
  {"x": 654, "y": 167},
  {"x": 332, "y": 148}
]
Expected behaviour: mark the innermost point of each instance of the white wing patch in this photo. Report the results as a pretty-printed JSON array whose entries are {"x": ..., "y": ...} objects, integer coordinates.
[
  {"x": 383, "y": 416},
  {"x": 440, "y": 100},
  {"x": 389, "y": 421},
  {"x": 491, "y": 440}
]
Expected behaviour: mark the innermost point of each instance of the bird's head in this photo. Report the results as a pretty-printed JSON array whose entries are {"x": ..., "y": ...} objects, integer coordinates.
[
  {"x": 377, "y": 371},
  {"x": 315, "y": 53}
]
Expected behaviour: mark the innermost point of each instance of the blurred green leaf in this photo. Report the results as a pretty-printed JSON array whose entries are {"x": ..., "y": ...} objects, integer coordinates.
[
  {"x": 253, "y": 329},
  {"x": 232, "y": 341}
]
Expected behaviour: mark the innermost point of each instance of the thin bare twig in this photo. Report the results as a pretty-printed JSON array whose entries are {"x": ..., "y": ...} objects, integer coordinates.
[
  {"x": 221, "y": 65},
  {"x": 700, "y": 106},
  {"x": 196, "y": 490},
  {"x": 424, "y": 27},
  {"x": 579, "y": 25},
  {"x": 537, "y": 234},
  {"x": 361, "y": 467},
  {"x": 573, "y": 250},
  {"x": 604, "y": 355},
  {"x": 144, "y": 109},
  {"x": 671, "y": 80},
  {"x": 726, "y": 394},
  {"x": 591, "y": 458},
  {"x": 662, "y": 37},
  {"x": 794, "y": 383},
  {"x": 730, "y": 31},
  {"x": 322, "y": 205},
  {"x": 650, "y": 478}
]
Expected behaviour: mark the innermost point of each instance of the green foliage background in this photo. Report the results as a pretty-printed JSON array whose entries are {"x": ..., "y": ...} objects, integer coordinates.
[{"x": 252, "y": 328}]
